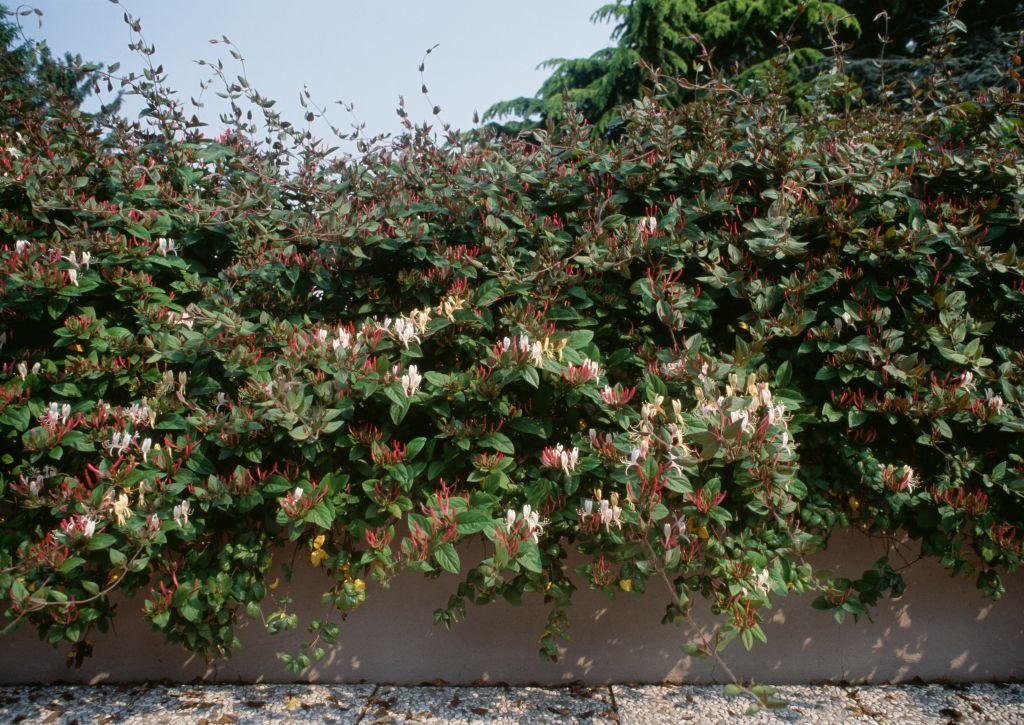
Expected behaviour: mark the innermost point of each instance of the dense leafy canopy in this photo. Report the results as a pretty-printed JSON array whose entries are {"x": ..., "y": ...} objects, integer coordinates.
[
  {"x": 688, "y": 354},
  {"x": 747, "y": 37}
]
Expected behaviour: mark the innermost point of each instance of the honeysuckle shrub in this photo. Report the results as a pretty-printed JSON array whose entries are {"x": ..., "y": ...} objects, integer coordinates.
[{"x": 688, "y": 353}]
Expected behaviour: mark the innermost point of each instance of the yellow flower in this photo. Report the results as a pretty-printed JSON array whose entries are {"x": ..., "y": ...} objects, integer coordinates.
[
  {"x": 626, "y": 585},
  {"x": 317, "y": 556},
  {"x": 359, "y": 585},
  {"x": 318, "y": 542},
  {"x": 121, "y": 510}
]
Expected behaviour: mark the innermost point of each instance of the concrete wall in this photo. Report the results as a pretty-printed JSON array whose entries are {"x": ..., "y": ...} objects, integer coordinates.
[{"x": 941, "y": 629}]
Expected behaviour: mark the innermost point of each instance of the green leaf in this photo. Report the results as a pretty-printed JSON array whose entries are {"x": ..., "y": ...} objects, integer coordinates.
[
  {"x": 71, "y": 564},
  {"x": 472, "y": 521},
  {"x": 499, "y": 442},
  {"x": 529, "y": 557},
  {"x": 322, "y": 515},
  {"x": 447, "y": 558},
  {"x": 100, "y": 541}
]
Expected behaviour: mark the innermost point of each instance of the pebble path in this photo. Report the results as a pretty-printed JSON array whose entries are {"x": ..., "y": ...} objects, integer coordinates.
[{"x": 153, "y": 704}]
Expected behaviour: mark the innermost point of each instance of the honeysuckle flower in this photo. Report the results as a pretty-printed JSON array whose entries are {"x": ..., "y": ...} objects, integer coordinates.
[
  {"x": 78, "y": 527},
  {"x": 411, "y": 381},
  {"x": 636, "y": 454},
  {"x": 183, "y": 319},
  {"x": 35, "y": 485},
  {"x": 534, "y": 526},
  {"x": 222, "y": 400},
  {"x": 166, "y": 246},
  {"x": 647, "y": 225},
  {"x": 405, "y": 331},
  {"x": 22, "y": 370},
  {"x": 764, "y": 582},
  {"x": 72, "y": 276},
  {"x": 993, "y": 401},
  {"x": 140, "y": 414},
  {"x": 297, "y": 493},
  {"x": 743, "y": 416},
  {"x": 57, "y": 414},
  {"x": 181, "y": 512},
  {"x": 119, "y": 442},
  {"x": 559, "y": 458},
  {"x": 609, "y": 513},
  {"x": 649, "y": 411},
  {"x": 343, "y": 341},
  {"x": 420, "y": 319},
  {"x": 317, "y": 293},
  {"x": 121, "y": 510},
  {"x": 588, "y": 372},
  {"x": 21, "y": 245},
  {"x": 152, "y": 523},
  {"x": 147, "y": 444},
  {"x": 966, "y": 381}
]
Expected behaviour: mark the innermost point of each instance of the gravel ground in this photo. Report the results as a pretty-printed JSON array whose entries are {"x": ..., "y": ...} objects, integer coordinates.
[{"x": 367, "y": 704}]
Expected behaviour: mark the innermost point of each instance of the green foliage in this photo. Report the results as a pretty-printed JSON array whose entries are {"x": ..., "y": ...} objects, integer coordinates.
[
  {"x": 687, "y": 355},
  {"x": 671, "y": 36},
  {"x": 31, "y": 76}
]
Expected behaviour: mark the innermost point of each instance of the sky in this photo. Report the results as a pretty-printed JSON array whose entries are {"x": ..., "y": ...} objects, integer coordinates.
[{"x": 361, "y": 53}]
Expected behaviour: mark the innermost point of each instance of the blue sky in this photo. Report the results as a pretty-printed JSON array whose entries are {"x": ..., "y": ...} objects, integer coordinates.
[{"x": 365, "y": 53}]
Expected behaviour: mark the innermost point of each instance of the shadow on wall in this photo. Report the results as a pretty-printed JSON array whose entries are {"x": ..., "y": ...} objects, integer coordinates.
[{"x": 942, "y": 628}]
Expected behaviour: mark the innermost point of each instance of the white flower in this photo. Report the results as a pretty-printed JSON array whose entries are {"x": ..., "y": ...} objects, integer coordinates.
[
  {"x": 343, "y": 341},
  {"x": 141, "y": 414},
  {"x": 21, "y": 245},
  {"x": 297, "y": 493},
  {"x": 22, "y": 370},
  {"x": 88, "y": 527},
  {"x": 73, "y": 259},
  {"x": 764, "y": 582},
  {"x": 35, "y": 486},
  {"x": 119, "y": 442},
  {"x": 647, "y": 225},
  {"x": 147, "y": 444},
  {"x": 405, "y": 331},
  {"x": 533, "y": 523},
  {"x": 166, "y": 246},
  {"x": 222, "y": 400},
  {"x": 411, "y": 381},
  {"x": 57, "y": 414},
  {"x": 993, "y": 401},
  {"x": 510, "y": 520},
  {"x": 121, "y": 510},
  {"x": 181, "y": 512},
  {"x": 73, "y": 276}
]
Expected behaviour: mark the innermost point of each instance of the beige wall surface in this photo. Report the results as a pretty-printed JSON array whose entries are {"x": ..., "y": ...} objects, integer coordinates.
[{"x": 942, "y": 628}]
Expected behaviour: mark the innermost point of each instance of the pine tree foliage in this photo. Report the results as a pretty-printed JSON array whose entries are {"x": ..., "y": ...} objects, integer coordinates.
[{"x": 663, "y": 35}]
